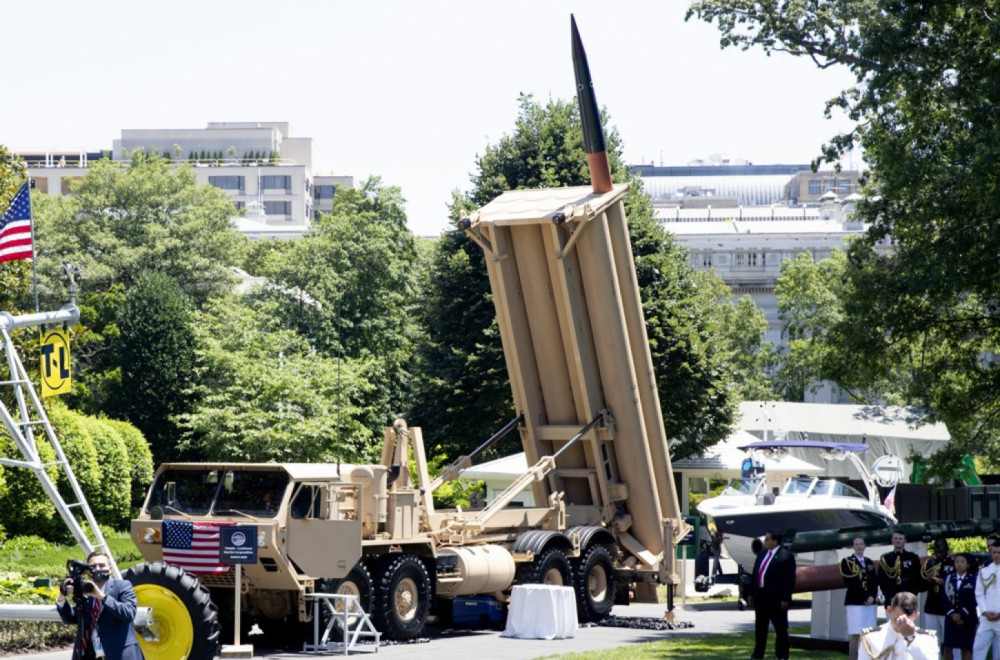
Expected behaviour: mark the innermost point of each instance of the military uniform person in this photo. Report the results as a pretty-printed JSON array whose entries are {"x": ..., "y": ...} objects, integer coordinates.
[
  {"x": 935, "y": 573},
  {"x": 858, "y": 572},
  {"x": 899, "y": 570},
  {"x": 883, "y": 643},
  {"x": 899, "y": 638},
  {"x": 988, "y": 601}
]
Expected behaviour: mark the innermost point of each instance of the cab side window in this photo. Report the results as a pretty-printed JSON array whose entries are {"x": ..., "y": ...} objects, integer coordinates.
[{"x": 306, "y": 503}]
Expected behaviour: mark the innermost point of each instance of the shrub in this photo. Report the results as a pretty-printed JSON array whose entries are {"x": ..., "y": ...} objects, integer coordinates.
[
  {"x": 140, "y": 462},
  {"x": 25, "y": 508},
  {"x": 112, "y": 505},
  {"x": 78, "y": 445}
]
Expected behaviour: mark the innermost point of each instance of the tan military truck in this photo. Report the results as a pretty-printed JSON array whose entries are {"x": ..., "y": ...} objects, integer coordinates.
[{"x": 564, "y": 285}]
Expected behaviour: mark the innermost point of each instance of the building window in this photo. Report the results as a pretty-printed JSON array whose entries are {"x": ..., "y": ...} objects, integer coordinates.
[
  {"x": 706, "y": 259},
  {"x": 278, "y": 208},
  {"x": 746, "y": 259},
  {"x": 814, "y": 188},
  {"x": 843, "y": 186},
  {"x": 323, "y": 191},
  {"x": 276, "y": 182},
  {"x": 228, "y": 182}
]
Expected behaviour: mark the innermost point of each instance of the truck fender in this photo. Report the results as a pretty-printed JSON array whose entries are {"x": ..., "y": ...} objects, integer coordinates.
[
  {"x": 538, "y": 540},
  {"x": 589, "y": 535}
]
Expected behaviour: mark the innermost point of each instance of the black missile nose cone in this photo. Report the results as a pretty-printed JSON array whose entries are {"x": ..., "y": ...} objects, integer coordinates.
[
  {"x": 578, "y": 52},
  {"x": 590, "y": 116}
]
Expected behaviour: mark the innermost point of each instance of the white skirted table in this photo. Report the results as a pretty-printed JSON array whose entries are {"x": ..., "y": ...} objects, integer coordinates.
[{"x": 540, "y": 611}]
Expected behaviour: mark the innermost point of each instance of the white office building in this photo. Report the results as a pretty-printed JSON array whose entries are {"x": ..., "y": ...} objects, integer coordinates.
[
  {"x": 743, "y": 221},
  {"x": 269, "y": 174}
]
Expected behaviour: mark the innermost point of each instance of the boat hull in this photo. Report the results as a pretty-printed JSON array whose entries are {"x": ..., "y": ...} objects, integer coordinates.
[{"x": 741, "y": 527}]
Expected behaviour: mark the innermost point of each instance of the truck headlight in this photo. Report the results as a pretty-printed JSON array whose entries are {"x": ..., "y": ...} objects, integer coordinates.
[{"x": 261, "y": 540}]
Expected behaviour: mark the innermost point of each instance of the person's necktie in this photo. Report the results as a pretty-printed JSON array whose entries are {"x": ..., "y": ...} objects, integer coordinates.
[{"x": 763, "y": 567}]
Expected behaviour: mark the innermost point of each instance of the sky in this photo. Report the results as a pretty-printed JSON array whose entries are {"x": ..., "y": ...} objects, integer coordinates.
[{"x": 409, "y": 91}]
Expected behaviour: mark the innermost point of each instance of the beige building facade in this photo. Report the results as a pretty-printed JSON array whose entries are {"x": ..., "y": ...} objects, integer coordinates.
[{"x": 268, "y": 173}]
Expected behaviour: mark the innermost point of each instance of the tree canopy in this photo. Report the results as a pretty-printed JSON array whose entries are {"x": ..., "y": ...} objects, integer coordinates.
[
  {"x": 924, "y": 103},
  {"x": 350, "y": 288}
]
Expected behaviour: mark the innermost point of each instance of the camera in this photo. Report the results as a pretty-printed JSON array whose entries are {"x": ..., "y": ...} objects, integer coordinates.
[{"x": 76, "y": 570}]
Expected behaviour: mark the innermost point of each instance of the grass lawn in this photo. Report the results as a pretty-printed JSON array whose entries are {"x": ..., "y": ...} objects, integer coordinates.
[
  {"x": 732, "y": 646},
  {"x": 32, "y": 557}
]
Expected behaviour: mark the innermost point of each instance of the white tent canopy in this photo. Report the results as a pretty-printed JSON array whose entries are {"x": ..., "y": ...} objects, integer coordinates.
[
  {"x": 885, "y": 429},
  {"x": 725, "y": 460},
  {"x": 499, "y": 474}
]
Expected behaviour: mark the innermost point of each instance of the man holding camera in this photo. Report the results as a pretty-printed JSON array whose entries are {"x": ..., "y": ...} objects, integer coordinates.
[{"x": 107, "y": 607}]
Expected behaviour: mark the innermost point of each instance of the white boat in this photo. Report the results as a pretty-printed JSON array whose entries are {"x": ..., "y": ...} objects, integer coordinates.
[{"x": 752, "y": 505}]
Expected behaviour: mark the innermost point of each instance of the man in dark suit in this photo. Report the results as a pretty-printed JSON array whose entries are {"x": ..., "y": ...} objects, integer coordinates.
[
  {"x": 109, "y": 609},
  {"x": 771, "y": 587}
]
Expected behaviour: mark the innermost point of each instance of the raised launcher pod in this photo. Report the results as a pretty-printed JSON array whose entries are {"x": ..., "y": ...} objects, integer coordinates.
[{"x": 574, "y": 338}]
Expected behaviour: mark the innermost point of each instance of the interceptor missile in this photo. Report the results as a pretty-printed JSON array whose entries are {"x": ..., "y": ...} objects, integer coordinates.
[{"x": 590, "y": 117}]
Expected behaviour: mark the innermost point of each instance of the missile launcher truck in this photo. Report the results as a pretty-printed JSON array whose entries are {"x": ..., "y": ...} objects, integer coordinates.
[{"x": 564, "y": 285}]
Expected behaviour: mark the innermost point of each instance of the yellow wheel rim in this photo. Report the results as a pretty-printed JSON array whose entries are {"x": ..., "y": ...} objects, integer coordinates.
[{"x": 173, "y": 628}]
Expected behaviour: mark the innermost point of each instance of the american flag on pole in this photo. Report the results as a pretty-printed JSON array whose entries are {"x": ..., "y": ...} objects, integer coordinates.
[
  {"x": 15, "y": 228},
  {"x": 890, "y": 501},
  {"x": 194, "y": 546}
]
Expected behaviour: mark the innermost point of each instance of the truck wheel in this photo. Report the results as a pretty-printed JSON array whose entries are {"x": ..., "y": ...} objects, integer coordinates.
[
  {"x": 550, "y": 567},
  {"x": 595, "y": 582},
  {"x": 186, "y": 621},
  {"x": 402, "y": 597},
  {"x": 356, "y": 583}
]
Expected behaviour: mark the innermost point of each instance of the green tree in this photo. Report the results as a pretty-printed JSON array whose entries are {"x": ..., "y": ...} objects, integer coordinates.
[
  {"x": 350, "y": 288},
  {"x": 121, "y": 221},
  {"x": 463, "y": 361},
  {"x": 809, "y": 307},
  {"x": 263, "y": 393},
  {"x": 155, "y": 351},
  {"x": 464, "y": 393},
  {"x": 117, "y": 224},
  {"x": 751, "y": 357},
  {"x": 928, "y": 85}
]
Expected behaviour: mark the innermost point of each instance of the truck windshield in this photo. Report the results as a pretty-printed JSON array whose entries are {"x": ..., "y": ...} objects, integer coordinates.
[
  {"x": 200, "y": 492},
  {"x": 253, "y": 493},
  {"x": 185, "y": 491}
]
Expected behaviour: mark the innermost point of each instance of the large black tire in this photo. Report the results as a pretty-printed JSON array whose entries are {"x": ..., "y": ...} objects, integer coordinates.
[
  {"x": 187, "y": 622},
  {"x": 402, "y": 597},
  {"x": 358, "y": 583},
  {"x": 595, "y": 582},
  {"x": 549, "y": 567}
]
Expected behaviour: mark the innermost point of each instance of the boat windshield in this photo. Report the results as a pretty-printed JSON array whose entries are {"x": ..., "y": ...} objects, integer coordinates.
[
  {"x": 742, "y": 486},
  {"x": 819, "y": 487},
  {"x": 798, "y": 486}
]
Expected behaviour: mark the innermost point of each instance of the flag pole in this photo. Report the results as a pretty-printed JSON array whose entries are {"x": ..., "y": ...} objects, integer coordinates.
[{"x": 34, "y": 259}]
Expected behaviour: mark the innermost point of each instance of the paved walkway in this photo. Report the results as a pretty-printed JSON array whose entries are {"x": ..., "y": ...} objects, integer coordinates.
[{"x": 709, "y": 617}]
